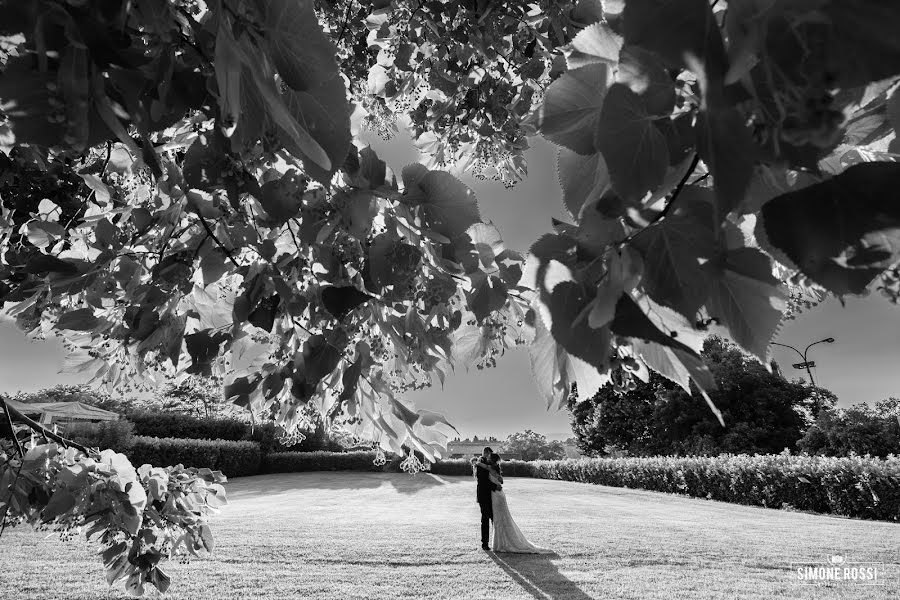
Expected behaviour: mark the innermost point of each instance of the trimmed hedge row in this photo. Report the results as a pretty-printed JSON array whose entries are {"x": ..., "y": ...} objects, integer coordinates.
[
  {"x": 462, "y": 466},
  {"x": 233, "y": 458},
  {"x": 297, "y": 462},
  {"x": 863, "y": 487}
]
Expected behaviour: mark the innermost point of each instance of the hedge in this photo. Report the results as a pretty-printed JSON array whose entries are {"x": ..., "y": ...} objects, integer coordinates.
[
  {"x": 233, "y": 458},
  {"x": 177, "y": 425},
  {"x": 855, "y": 486},
  {"x": 462, "y": 466},
  {"x": 296, "y": 462}
]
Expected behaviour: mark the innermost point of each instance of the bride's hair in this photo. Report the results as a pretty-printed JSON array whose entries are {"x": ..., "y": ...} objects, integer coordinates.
[{"x": 495, "y": 458}]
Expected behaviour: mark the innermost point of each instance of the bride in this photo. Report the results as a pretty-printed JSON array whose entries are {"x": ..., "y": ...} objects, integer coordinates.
[{"x": 507, "y": 535}]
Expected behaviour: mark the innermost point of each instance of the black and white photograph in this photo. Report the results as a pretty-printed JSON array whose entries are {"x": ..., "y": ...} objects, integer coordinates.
[{"x": 450, "y": 299}]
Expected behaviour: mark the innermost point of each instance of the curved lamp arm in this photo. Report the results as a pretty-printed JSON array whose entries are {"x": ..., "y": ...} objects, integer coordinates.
[
  {"x": 791, "y": 347},
  {"x": 829, "y": 340}
]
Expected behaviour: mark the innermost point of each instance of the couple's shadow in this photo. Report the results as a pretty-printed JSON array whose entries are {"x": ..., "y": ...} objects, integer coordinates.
[{"x": 538, "y": 576}]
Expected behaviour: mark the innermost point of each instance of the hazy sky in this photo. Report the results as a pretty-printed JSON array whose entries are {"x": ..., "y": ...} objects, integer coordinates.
[{"x": 863, "y": 365}]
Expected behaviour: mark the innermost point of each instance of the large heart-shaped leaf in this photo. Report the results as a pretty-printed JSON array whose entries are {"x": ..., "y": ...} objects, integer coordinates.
[
  {"x": 571, "y": 108},
  {"x": 672, "y": 250},
  {"x": 842, "y": 232},
  {"x": 635, "y": 149}
]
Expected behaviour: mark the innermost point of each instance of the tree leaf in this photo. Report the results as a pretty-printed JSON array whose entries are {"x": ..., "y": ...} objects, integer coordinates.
[
  {"x": 340, "y": 300},
  {"x": 282, "y": 198},
  {"x": 582, "y": 178},
  {"x": 561, "y": 303},
  {"x": 489, "y": 293},
  {"x": 726, "y": 146},
  {"x": 302, "y": 53},
  {"x": 893, "y": 111},
  {"x": 571, "y": 108},
  {"x": 81, "y": 319},
  {"x": 358, "y": 211},
  {"x": 644, "y": 74},
  {"x": 60, "y": 503},
  {"x": 593, "y": 44},
  {"x": 630, "y": 321},
  {"x": 747, "y": 298},
  {"x": 323, "y": 112},
  {"x": 623, "y": 272},
  {"x": 673, "y": 29},
  {"x": 673, "y": 274},
  {"x": 545, "y": 357},
  {"x": 446, "y": 204},
  {"x": 635, "y": 149},
  {"x": 229, "y": 72},
  {"x": 841, "y": 233}
]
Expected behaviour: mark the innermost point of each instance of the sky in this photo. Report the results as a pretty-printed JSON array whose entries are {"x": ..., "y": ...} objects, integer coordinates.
[{"x": 862, "y": 365}]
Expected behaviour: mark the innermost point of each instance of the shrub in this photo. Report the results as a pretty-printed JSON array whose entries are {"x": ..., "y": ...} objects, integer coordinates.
[
  {"x": 116, "y": 435},
  {"x": 854, "y": 486},
  {"x": 295, "y": 462},
  {"x": 233, "y": 458}
]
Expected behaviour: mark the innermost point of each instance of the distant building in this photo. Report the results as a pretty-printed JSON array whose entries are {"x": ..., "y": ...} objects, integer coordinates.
[{"x": 468, "y": 449}]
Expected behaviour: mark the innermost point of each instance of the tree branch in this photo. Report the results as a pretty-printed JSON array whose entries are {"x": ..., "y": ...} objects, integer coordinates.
[
  {"x": 12, "y": 411},
  {"x": 12, "y": 430}
]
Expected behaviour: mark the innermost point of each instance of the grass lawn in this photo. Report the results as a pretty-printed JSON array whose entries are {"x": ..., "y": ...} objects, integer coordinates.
[{"x": 388, "y": 536}]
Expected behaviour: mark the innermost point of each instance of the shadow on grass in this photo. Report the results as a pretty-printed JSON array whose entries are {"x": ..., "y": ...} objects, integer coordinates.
[
  {"x": 538, "y": 576},
  {"x": 264, "y": 485}
]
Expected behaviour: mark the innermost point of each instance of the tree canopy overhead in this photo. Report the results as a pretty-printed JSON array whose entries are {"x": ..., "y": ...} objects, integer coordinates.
[{"x": 182, "y": 194}]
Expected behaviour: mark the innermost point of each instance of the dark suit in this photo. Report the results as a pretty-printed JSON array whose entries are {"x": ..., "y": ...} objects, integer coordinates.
[{"x": 483, "y": 497}]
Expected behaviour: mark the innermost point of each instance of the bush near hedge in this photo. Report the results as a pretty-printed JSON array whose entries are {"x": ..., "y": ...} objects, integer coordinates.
[
  {"x": 854, "y": 486},
  {"x": 116, "y": 435},
  {"x": 233, "y": 458}
]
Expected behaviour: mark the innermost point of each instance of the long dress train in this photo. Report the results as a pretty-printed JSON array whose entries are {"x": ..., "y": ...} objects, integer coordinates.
[{"x": 507, "y": 535}]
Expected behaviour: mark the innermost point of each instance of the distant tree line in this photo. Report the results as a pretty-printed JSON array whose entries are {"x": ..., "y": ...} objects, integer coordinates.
[{"x": 764, "y": 413}]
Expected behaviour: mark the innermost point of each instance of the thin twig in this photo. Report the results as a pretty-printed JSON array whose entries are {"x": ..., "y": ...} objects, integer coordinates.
[
  {"x": 346, "y": 20},
  {"x": 108, "y": 156},
  {"x": 668, "y": 208},
  {"x": 209, "y": 231}
]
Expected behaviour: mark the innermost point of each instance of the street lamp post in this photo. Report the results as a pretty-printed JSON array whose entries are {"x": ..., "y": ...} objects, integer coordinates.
[{"x": 829, "y": 340}]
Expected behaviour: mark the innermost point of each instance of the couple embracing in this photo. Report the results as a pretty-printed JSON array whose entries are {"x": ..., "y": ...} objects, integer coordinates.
[{"x": 492, "y": 500}]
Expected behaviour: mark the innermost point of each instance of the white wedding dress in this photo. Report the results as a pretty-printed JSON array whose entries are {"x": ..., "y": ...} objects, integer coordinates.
[{"x": 507, "y": 535}]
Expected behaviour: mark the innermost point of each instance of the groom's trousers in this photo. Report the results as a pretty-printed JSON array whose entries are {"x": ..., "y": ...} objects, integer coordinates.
[{"x": 487, "y": 515}]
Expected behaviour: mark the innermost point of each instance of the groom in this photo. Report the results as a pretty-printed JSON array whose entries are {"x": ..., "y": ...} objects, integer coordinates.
[{"x": 483, "y": 496}]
